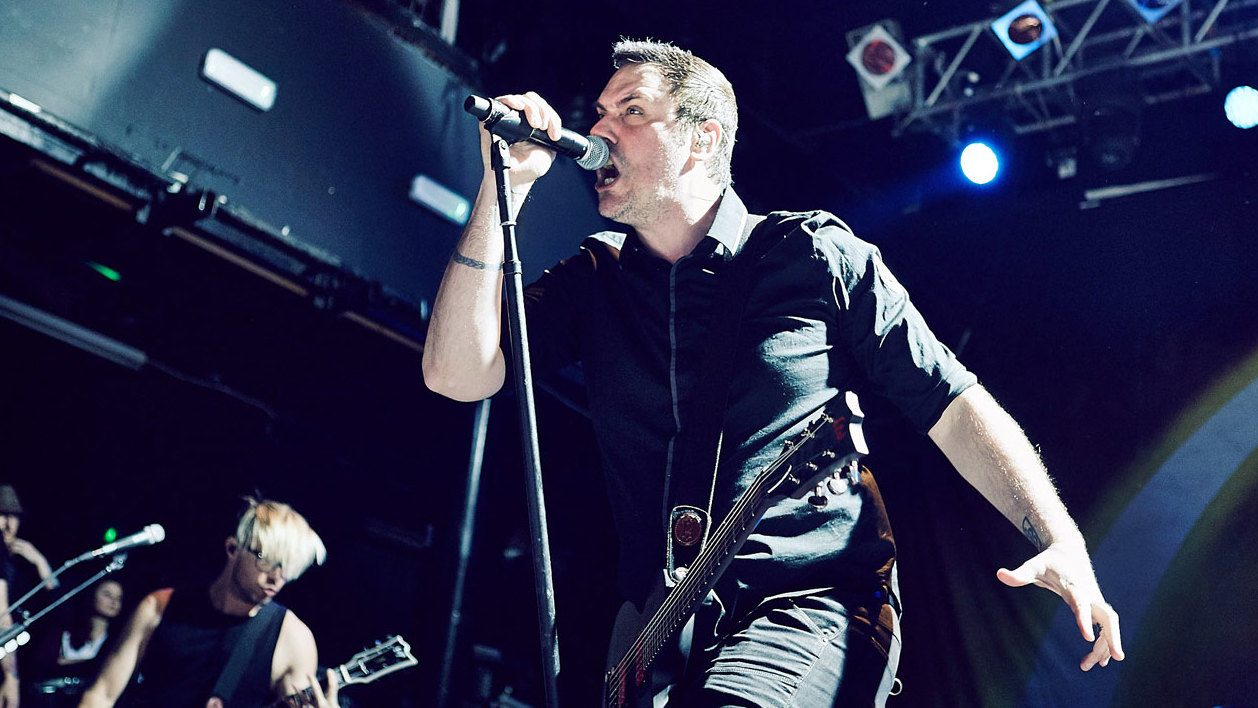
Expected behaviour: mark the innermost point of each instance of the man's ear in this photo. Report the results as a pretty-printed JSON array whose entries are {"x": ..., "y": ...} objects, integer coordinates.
[
  {"x": 707, "y": 138},
  {"x": 231, "y": 545}
]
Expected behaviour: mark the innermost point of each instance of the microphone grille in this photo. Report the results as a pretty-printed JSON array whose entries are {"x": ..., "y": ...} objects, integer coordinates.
[
  {"x": 156, "y": 532},
  {"x": 596, "y": 155}
]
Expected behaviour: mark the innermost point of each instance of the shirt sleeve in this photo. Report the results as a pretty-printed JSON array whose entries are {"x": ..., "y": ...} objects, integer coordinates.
[
  {"x": 556, "y": 305},
  {"x": 884, "y": 332}
]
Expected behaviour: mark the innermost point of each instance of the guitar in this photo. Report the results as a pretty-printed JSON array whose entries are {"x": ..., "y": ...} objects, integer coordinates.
[
  {"x": 832, "y": 440},
  {"x": 393, "y": 654}
]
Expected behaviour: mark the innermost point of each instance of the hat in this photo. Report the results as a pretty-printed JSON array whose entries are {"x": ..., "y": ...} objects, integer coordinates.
[{"x": 8, "y": 500}]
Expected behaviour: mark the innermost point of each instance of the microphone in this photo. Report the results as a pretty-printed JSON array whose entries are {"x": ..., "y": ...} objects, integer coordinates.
[
  {"x": 153, "y": 533},
  {"x": 509, "y": 124}
]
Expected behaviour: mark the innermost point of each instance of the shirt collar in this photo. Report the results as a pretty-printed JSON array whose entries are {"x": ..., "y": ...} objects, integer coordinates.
[
  {"x": 725, "y": 235},
  {"x": 728, "y": 225}
]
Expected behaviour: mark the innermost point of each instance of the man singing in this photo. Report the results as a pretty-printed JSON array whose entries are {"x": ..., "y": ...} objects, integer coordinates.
[{"x": 807, "y": 613}]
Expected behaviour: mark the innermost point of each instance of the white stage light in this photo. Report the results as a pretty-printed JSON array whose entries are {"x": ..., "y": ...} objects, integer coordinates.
[
  {"x": 1241, "y": 107},
  {"x": 979, "y": 163}
]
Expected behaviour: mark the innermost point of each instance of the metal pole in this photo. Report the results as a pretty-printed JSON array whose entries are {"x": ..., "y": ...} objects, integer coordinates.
[
  {"x": 480, "y": 426},
  {"x": 513, "y": 282}
]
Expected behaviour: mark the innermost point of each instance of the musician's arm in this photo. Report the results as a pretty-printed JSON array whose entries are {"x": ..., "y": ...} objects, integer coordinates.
[
  {"x": 992, "y": 453},
  {"x": 121, "y": 664},
  {"x": 296, "y": 662}
]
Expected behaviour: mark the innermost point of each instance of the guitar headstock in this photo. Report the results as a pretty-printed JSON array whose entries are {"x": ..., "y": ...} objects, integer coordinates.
[
  {"x": 835, "y": 437},
  {"x": 393, "y": 654}
]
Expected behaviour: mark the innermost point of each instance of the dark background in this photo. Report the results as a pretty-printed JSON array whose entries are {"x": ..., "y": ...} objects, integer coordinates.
[{"x": 1113, "y": 333}]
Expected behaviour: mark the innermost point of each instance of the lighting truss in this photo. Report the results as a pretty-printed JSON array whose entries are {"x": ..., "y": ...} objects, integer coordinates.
[{"x": 1101, "y": 44}]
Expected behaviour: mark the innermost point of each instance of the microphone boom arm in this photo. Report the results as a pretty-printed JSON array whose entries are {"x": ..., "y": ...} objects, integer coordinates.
[
  {"x": 152, "y": 534},
  {"x": 15, "y": 632}
]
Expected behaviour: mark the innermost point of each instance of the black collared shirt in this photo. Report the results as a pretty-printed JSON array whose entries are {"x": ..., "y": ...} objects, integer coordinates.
[{"x": 823, "y": 316}]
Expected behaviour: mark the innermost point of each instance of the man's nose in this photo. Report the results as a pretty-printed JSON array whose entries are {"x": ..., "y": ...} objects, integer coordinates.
[{"x": 600, "y": 130}]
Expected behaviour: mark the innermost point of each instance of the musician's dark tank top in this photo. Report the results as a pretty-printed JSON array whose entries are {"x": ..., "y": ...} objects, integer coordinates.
[{"x": 189, "y": 649}]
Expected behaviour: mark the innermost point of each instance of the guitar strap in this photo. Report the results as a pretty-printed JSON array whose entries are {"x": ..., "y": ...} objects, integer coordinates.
[
  {"x": 243, "y": 653},
  {"x": 690, "y": 503}
]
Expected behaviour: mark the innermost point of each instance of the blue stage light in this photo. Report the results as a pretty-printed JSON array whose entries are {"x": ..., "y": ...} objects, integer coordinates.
[
  {"x": 1024, "y": 29},
  {"x": 1241, "y": 106},
  {"x": 979, "y": 163},
  {"x": 1153, "y": 10}
]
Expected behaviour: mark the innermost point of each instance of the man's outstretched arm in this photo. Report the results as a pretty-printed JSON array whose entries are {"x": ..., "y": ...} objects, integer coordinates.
[{"x": 993, "y": 454}]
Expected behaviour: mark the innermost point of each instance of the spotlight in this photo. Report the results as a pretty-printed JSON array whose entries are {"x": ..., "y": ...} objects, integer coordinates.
[
  {"x": 1113, "y": 134},
  {"x": 1064, "y": 161},
  {"x": 1024, "y": 29},
  {"x": 979, "y": 163},
  {"x": 1241, "y": 107},
  {"x": 879, "y": 59},
  {"x": 1153, "y": 10}
]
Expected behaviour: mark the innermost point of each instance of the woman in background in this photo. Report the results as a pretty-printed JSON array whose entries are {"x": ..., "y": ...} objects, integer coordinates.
[{"x": 66, "y": 657}]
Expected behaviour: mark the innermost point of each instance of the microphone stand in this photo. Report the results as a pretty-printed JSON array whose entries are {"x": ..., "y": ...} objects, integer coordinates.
[
  {"x": 43, "y": 583},
  {"x": 15, "y": 632},
  {"x": 518, "y": 332}
]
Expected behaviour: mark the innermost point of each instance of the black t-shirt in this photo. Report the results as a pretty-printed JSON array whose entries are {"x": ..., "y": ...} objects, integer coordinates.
[
  {"x": 7, "y": 570},
  {"x": 823, "y": 316},
  {"x": 19, "y": 573},
  {"x": 190, "y": 648}
]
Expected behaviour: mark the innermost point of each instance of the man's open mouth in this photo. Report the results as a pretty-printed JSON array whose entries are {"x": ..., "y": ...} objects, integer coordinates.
[{"x": 606, "y": 175}]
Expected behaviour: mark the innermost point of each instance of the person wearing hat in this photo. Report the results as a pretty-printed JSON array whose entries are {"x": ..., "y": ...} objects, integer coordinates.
[
  {"x": 26, "y": 565},
  {"x": 21, "y": 567}
]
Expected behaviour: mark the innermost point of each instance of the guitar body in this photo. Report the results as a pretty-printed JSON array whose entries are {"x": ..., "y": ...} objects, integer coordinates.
[{"x": 666, "y": 669}]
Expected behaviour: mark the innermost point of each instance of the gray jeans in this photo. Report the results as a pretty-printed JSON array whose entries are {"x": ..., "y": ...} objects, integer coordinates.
[{"x": 798, "y": 652}]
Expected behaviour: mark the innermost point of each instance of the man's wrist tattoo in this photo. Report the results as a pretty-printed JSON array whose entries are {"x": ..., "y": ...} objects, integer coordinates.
[
  {"x": 473, "y": 263},
  {"x": 1032, "y": 535}
]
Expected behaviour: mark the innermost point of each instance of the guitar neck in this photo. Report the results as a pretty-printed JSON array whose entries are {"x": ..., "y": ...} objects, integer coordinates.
[
  {"x": 394, "y": 654},
  {"x": 706, "y": 569},
  {"x": 304, "y": 697}
]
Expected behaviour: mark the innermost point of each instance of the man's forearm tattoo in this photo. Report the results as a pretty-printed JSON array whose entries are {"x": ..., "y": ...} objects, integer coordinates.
[
  {"x": 473, "y": 263},
  {"x": 1032, "y": 535}
]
